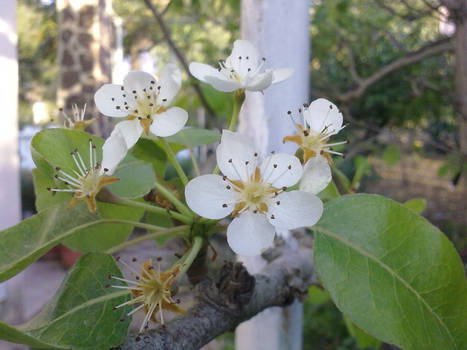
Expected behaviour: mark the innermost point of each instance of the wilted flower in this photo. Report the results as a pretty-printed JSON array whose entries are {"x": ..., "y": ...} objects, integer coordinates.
[
  {"x": 320, "y": 120},
  {"x": 144, "y": 101},
  {"x": 254, "y": 193},
  {"x": 151, "y": 289},
  {"x": 76, "y": 121},
  {"x": 86, "y": 180},
  {"x": 241, "y": 70}
]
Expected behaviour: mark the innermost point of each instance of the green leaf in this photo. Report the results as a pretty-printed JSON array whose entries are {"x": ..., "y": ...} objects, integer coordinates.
[
  {"x": 418, "y": 205},
  {"x": 392, "y": 273},
  {"x": 330, "y": 192},
  {"x": 317, "y": 295},
  {"x": 193, "y": 137},
  {"x": 364, "y": 340},
  {"x": 51, "y": 148},
  {"x": 22, "y": 244},
  {"x": 89, "y": 239},
  {"x": 80, "y": 315},
  {"x": 362, "y": 167},
  {"x": 149, "y": 151},
  {"x": 391, "y": 155}
]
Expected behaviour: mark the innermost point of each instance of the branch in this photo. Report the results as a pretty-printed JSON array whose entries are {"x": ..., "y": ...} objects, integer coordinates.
[
  {"x": 429, "y": 50},
  {"x": 178, "y": 53},
  {"x": 236, "y": 296}
]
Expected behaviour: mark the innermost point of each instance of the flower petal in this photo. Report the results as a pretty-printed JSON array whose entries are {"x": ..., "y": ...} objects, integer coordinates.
[
  {"x": 244, "y": 55},
  {"x": 209, "y": 197},
  {"x": 110, "y": 101},
  {"x": 259, "y": 82},
  {"x": 169, "y": 122},
  {"x": 136, "y": 81},
  {"x": 250, "y": 234},
  {"x": 323, "y": 114},
  {"x": 170, "y": 82},
  {"x": 130, "y": 130},
  {"x": 316, "y": 175},
  {"x": 223, "y": 84},
  {"x": 295, "y": 209},
  {"x": 281, "y": 170},
  {"x": 113, "y": 151},
  {"x": 282, "y": 74},
  {"x": 200, "y": 71},
  {"x": 236, "y": 156}
]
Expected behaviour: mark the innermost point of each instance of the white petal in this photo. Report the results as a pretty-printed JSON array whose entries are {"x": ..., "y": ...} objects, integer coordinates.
[
  {"x": 316, "y": 175},
  {"x": 275, "y": 170},
  {"x": 259, "y": 82},
  {"x": 136, "y": 81},
  {"x": 110, "y": 101},
  {"x": 282, "y": 74},
  {"x": 200, "y": 71},
  {"x": 209, "y": 197},
  {"x": 240, "y": 151},
  {"x": 250, "y": 234},
  {"x": 113, "y": 151},
  {"x": 295, "y": 209},
  {"x": 170, "y": 82},
  {"x": 249, "y": 57},
  {"x": 223, "y": 84},
  {"x": 130, "y": 130},
  {"x": 323, "y": 114},
  {"x": 169, "y": 122}
]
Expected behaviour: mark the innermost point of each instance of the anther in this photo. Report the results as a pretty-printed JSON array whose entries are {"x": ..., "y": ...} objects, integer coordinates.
[
  {"x": 273, "y": 217},
  {"x": 134, "y": 91},
  {"x": 289, "y": 167},
  {"x": 228, "y": 187},
  {"x": 224, "y": 205},
  {"x": 106, "y": 169},
  {"x": 289, "y": 112},
  {"x": 49, "y": 189},
  {"x": 122, "y": 319},
  {"x": 114, "y": 308},
  {"x": 247, "y": 162},
  {"x": 159, "y": 258},
  {"x": 134, "y": 259},
  {"x": 275, "y": 166},
  {"x": 151, "y": 268},
  {"x": 138, "y": 338},
  {"x": 148, "y": 116},
  {"x": 60, "y": 109},
  {"x": 230, "y": 160},
  {"x": 153, "y": 82},
  {"x": 122, "y": 88},
  {"x": 330, "y": 106},
  {"x": 224, "y": 177},
  {"x": 57, "y": 168},
  {"x": 264, "y": 58},
  {"x": 113, "y": 99},
  {"x": 278, "y": 202},
  {"x": 299, "y": 110},
  {"x": 164, "y": 100},
  {"x": 107, "y": 285},
  {"x": 117, "y": 258},
  {"x": 109, "y": 276},
  {"x": 284, "y": 188},
  {"x": 256, "y": 154}
]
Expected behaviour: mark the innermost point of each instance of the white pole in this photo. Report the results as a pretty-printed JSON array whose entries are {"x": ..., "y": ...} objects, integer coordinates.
[
  {"x": 280, "y": 29},
  {"x": 10, "y": 198}
]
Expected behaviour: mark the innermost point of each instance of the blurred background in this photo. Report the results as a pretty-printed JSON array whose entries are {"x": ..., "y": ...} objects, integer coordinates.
[{"x": 390, "y": 66}]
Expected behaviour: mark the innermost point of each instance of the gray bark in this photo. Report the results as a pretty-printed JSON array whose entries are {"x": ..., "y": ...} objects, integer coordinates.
[{"x": 234, "y": 296}]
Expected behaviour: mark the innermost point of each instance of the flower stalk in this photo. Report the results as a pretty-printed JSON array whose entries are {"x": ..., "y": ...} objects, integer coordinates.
[
  {"x": 182, "y": 208},
  {"x": 173, "y": 160},
  {"x": 195, "y": 249}
]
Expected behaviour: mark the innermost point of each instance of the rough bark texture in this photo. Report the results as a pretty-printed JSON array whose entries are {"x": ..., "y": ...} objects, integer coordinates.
[
  {"x": 234, "y": 297},
  {"x": 84, "y": 55}
]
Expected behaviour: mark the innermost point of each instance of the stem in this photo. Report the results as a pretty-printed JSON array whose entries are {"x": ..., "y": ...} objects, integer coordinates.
[
  {"x": 238, "y": 97},
  {"x": 173, "y": 160},
  {"x": 182, "y": 208},
  {"x": 171, "y": 231},
  {"x": 196, "y": 247},
  {"x": 195, "y": 163},
  {"x": 148, "y": 227},
  {"x": 187, "y": 219}
]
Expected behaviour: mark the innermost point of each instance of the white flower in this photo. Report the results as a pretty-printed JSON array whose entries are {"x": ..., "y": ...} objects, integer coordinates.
[
  {"x": 145, "y": 102},
  {"x": 320, "y": 120},
  {"x": 254, "y": 193},
  {"x": 85, "y": 181},
  {"x": 241, "y": 70},
  {"x": 316, "y": 175}
]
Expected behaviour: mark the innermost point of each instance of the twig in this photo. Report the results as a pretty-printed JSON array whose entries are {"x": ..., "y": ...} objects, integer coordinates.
[
  {"x": 178, "y": 53},
  {"x": 234, "y": 297}
]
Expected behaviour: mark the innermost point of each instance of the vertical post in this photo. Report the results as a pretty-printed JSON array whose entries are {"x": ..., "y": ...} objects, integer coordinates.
[
  {"x": 84, "y": 54},
  {"x": 10, "y": 190},
  {"x": 280, "y": 30}
]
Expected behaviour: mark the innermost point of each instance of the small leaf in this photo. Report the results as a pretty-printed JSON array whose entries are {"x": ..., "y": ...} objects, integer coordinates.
[
  {"x": 149, "y": 151},
  {"x": 80, "y": 315},
  {"x": 330, "y": 192},
  {"x": 392, "y": 273},
  {"x": 391, "y": 155},
  {"x": 193, "y": 137},
  {"x": 318, "y": 295},
  {"x": 418, "y": 205}
]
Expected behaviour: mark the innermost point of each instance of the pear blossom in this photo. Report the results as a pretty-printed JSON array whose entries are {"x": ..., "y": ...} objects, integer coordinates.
[
  {"x": 243, "y": 69},
  {"x": 320, "y": 120},
  {"x": 254, "y": 193},
  {"x": 76, "y": 121},
  {"x": 85, "y": 181},
  {"x": 316, "y": 175},
  {"x": 152, "y": 290},
  {"x": 145, "y": 103}
]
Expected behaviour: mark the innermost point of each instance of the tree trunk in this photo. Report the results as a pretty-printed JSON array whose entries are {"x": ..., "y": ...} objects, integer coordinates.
[
  {"x": 10, "y": 190},
  {"x": 280, "y": 30},
  {"x": 84, "y": 55}
]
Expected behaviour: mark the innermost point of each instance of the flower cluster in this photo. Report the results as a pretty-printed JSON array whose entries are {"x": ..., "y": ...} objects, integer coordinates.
[{"x": 262, "y": 195}]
